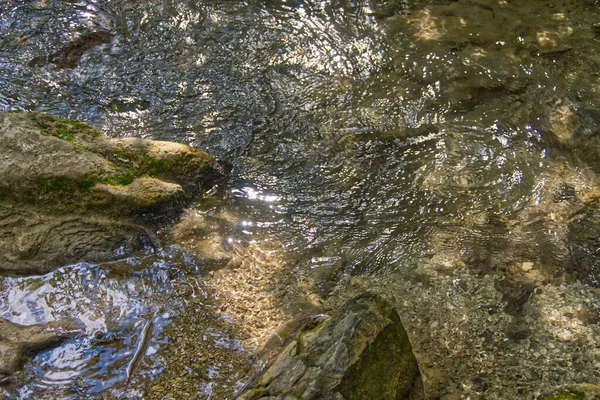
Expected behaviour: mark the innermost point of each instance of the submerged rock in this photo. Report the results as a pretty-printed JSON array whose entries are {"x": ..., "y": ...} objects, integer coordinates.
[
  {"x": 75, "y": 29},
  {"x": 18, "y": 342},
  {"x": 361, "y": 352},
  {"x": 69, "y": 193},
  {"x": 69, "y": 55},
  {"x": 584, "y": 244},
  {"x": 580, "y": 391}
]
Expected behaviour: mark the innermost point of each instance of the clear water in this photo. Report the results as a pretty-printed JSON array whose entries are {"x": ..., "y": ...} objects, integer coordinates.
[{"x": 368, "y": 139}]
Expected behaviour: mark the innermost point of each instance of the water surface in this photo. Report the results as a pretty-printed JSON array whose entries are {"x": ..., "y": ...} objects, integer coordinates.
[{"x": 443, "y": 154}]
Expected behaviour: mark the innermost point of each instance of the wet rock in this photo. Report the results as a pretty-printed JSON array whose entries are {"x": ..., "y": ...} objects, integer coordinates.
[
  {"x": 564, "y": 192},
  {"x": 571, "y": 125},
  {"x": 69, "y": 193},
  {"x": 199, "y": 234},
  {"x": 361, "y": 352},
  {"x": 74, "y": 29},
  {"x": 18, "y": 342},
  {"x": 69, "y": 55},
  {"x": 584, "y": 245},
  {"x": 515, "y": 294},
  {"x": 587, "y": 316},
  {"x": 388, "y": 8},
  {"x": 581, "y": 391}
]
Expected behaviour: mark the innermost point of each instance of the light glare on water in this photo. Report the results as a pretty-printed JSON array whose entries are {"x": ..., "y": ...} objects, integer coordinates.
[{"x": 443, "y": 154}]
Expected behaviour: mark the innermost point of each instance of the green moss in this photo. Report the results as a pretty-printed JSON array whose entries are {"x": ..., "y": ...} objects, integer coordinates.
[
  {"x": 148, "y": 166},
  {"x": 60, "y": 131},
  {"x": 141, "y": 165},
  {"x": 77, "y": 124},
  {"x": 63, "y": 128},
  {"x": 52, "y": 185},
  {"x": 152, "y": 166},
  {"x": 122, "y": 179},
  {"x": 123, "y": 155},
  {"x": 61, "y": 184},
  {"x": 85, "y": 185},
  {"x": 570, "y": 394}
]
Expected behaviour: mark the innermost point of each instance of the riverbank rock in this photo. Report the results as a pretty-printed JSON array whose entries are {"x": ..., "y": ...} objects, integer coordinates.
[
  {"x": 361, "y": 352},
  {"x": 69, "y": 193},
  {"x": 18, "y": 342}
]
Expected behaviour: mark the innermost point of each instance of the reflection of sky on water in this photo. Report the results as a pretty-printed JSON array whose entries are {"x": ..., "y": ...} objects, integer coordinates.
[
  {"x": 112, "y": 302},
  {"x": 93, "y": 294}
]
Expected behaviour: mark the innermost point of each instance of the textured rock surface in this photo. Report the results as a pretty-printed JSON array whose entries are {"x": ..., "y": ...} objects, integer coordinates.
[
  {"x": 582, "y": 391},
  {"x": 18, "y": 342},
  {"x": 361, "y": 352},
  {"x": 68, "y": 193}
]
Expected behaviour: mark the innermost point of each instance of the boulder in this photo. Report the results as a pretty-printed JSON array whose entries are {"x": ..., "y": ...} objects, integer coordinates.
[
  {"x": 69, "y": 193},
  {"x": 18, "y": 342},
  {"x": 361, "y": 352}
]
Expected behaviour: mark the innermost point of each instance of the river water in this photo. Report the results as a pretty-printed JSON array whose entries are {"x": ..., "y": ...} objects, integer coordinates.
[{"x": 441, "y": 153}]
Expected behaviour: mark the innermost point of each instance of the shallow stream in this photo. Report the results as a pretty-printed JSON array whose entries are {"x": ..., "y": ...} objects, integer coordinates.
[{"x": 442, "y": 153}]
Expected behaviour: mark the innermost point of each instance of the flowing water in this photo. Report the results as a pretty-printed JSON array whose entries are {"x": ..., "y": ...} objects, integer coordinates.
[{"x": 442, "y": 153}]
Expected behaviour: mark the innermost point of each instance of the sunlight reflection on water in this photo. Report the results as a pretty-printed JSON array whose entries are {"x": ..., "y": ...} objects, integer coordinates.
[{"x": 368, "y": 139}]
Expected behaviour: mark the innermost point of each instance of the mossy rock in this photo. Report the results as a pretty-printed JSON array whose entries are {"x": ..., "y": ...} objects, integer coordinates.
[
  {"x": 65, "y": 129},
  {"x": 361, "y": 352},
  {"x": 583, "y": 391},
  {"x": 61, "y": 172},
  {"x": 60, "y": 162}
]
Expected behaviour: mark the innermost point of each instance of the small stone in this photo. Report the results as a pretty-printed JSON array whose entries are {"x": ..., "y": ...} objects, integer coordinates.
[
  {"x": 565, "y": 336},
  {"x": 259, "y": 324},
  {"x": 434, "y": 324},
  {"x": 527, "y": 266}
]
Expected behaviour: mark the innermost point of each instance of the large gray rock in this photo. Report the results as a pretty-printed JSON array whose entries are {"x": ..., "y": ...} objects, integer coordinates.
[
  {"x": 18, "y": 342},
  {"x": 362, "y": 352},
  {"x": 69, "y": 193}
]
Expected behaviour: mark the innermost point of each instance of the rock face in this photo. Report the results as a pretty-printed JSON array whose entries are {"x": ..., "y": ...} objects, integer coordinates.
[
  {"x": 361, "y": 352},
  {"x": 69, "y": 193},
  {"x": 18, "y": 342}
]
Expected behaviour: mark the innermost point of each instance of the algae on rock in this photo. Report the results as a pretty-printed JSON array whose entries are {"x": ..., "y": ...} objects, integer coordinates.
[
  {"x": 69, "y": 193},
  {"x": 582, "y": 391},
  {"x": 361, "y": 352}
]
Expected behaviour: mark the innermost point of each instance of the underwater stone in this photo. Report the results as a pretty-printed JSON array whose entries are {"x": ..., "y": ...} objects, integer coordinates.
[
  {"x": 18, "y": 342},
  {"x": 361, "y": 352},
  {"x": 582, "y": 391}
]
